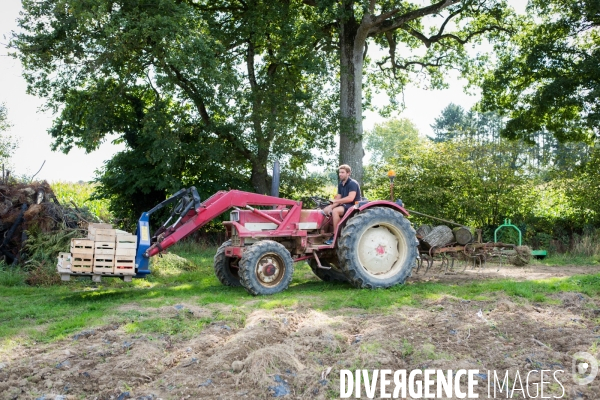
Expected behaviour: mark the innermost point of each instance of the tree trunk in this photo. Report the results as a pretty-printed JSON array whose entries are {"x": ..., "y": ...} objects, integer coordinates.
[
  {"x": 462, "y": 235},
  {"x": 439, "y": 236},
  {"x": 423, "y": 230},
  {"x": 352, "y": 44},
  {"x": 259, "y": 178}
]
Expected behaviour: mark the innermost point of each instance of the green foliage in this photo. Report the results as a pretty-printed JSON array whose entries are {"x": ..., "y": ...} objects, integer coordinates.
[
  {"x": 8, "y": 144},
  {"x": 469, "y": 182},
  {"x": 456, "y": 123},
  {"x": 41, "y": 252},
  {"x": 391, "y": 138},
  {"x": 201, "y": 93},
  {"x": 44, "y": 247},
  {"x": 472, "y": 176},
  {"x": 547, "y": 77},
  {"x": 11, "y": 276},
  {"x": 81, "y": 195}
]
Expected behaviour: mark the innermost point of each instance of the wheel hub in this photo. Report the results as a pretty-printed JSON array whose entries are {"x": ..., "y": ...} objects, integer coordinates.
[
  {"x": 378, "y": 250},
  {"x": 269, "y": 270}
]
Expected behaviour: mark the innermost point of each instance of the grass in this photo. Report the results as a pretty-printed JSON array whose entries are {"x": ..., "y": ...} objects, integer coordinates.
[
  {"x": 10, "y": 277},
  {"x": 570, "y": 259},
  {"x": 46, "y": 314}
]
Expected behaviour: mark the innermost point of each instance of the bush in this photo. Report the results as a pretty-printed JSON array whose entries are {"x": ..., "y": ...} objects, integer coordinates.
[{"x": 43, "y": 274}]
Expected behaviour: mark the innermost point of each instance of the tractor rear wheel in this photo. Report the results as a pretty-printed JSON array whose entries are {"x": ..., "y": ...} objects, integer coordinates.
[
  {"x": 377, "y": 248},
  {"x": 266, "y": 268},
  {"x": 226, "y": 268},
  {"x": 328, "y": 275}
]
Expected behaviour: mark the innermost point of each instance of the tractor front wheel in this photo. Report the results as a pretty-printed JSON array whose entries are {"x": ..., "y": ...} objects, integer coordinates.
[
  {"x": 266, "y": 268},
  {"x": 226, "y": 268},
  {"x": 377, "y": 248}
]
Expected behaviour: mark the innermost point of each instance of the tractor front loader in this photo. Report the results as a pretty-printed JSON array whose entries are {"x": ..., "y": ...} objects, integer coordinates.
[{"x": 373, "y": 247}]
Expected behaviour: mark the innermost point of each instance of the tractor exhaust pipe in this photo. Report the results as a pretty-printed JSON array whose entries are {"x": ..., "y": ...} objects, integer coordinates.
[{"x": 275, "y": 181}]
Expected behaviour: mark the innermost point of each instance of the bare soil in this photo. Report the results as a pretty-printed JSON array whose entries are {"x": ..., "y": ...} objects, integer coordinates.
[{"x": 298, "y": 352}]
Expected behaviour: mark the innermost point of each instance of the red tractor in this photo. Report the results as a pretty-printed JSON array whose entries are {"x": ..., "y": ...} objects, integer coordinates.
[{"x": 374, "y": 246}]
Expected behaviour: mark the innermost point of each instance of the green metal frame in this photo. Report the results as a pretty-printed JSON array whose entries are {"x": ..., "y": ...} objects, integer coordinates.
[{"x": 506, "y": 224}]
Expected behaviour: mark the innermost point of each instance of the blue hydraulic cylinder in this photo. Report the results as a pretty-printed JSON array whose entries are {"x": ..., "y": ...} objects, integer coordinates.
[{"x": 142, "y": 262}]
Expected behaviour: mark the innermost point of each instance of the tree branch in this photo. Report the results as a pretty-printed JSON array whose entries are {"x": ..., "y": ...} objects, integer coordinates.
[
  {"x": 372, "y": 6},
  {"x": 189, "y": 88},
  {"x": 384, "y": 25},
  {"x": 439, "y": 37}
]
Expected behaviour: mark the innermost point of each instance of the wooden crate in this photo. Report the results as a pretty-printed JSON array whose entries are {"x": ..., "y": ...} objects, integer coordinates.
[
  {"x": 105, "y": 235},
  {"x": 82, "y": 246},
  {"x": 120, "y": 251},
  {"x": 126, "y": 241},
  {"x": 125, "y": 265},
  {"x": 92, "y": 228},
  {"x": 104, "y": 248},
  {"x": 104, "y": 264},
  {"x": 82, "y": 263},
  {"x": 64, "y": 262}
]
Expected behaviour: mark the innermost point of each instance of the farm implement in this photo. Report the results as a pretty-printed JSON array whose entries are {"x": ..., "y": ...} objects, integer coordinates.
[{"x": 455, "y": 246}]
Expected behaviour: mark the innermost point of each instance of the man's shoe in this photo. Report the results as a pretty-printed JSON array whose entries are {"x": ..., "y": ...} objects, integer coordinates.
[{"x": 329, "y": 242}]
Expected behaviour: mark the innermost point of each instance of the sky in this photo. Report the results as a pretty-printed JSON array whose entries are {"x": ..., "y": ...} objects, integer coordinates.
[{"x": 30, "y": 124}]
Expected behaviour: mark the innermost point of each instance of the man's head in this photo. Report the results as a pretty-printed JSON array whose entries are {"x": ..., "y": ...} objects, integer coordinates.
[{"x": 344, "y": 171}]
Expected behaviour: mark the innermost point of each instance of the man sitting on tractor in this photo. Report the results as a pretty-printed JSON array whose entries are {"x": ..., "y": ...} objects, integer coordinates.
[{"x": 348, "y": 193}]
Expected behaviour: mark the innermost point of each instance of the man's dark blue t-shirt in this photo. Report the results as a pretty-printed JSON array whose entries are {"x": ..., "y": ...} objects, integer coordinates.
[{"x": 350, "y": 186}]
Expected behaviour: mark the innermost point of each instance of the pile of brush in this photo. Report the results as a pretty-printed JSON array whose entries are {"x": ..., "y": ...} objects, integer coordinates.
[{"x": 33, "y": 208}]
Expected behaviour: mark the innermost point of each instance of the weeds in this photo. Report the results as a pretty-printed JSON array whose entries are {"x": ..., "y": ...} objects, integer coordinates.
[
  {"x": 587, "y": 245},
  {"x": 10, "y": 276},
  {"x": 42, "y": 250}
]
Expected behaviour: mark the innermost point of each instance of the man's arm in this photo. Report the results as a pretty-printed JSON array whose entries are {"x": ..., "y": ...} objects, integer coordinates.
[{"x": 347, "y": 199}]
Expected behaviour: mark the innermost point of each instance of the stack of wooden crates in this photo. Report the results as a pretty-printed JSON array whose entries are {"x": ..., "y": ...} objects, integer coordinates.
[{"x": 106, "y": 251}]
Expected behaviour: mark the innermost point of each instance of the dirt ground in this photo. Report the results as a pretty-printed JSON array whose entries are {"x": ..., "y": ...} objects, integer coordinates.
[{"x": 299, "y": 352}]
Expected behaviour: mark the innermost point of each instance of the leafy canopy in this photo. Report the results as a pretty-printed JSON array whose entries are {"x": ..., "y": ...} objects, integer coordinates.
[
  {"x": 206, "y": 93},
  {"x": 549, "y": 75}
]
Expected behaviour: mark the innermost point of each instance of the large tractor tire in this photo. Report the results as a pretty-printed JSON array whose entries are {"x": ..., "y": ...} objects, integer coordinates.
[
  {"x": 226, "y": 268},
  {"x": 328, "y": 275},
  {"x": 266, "y": 268},
  {"x": 377, "y": 248}
]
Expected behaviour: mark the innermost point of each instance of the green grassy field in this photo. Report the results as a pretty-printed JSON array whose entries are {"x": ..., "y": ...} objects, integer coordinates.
[{"x": 46, "y": 314}]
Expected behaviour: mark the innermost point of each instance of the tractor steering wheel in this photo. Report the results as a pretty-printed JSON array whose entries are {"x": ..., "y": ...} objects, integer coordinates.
[{"x": 320, "y": 202}]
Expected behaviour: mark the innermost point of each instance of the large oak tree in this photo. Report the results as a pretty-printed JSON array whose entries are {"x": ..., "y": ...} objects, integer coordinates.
[
  {"x": 419, "y": 41},
  {"x": 200, "y": 92}
]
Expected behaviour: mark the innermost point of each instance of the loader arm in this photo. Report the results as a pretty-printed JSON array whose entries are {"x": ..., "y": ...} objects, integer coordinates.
[{"x": 193, "y": 218}]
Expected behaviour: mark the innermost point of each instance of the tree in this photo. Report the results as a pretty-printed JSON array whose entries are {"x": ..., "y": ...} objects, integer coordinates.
[
  {"x": 422, "y": 42},
  {"x": 453, "y": 122},
  {"x": 7, "y": 143},
  {"x": 464, "y": 180},
  {"x": 391, "y": 139},
  {"x": 206, "y": 92},
  {"x": 548, "y": 78}
]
